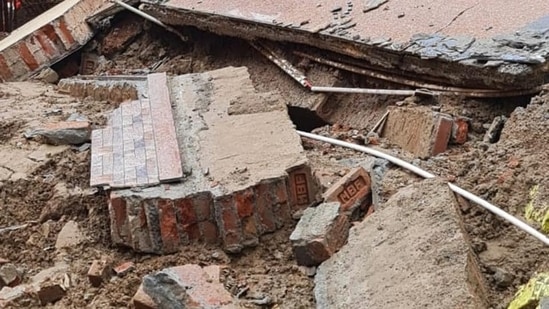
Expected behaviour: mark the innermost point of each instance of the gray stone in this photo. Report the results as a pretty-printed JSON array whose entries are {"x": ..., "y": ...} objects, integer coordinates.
[
  {"x": 321, "y": 232},
  {"x": 373, "y": 4},
  {"x": 494, "y": 131},
  {"x": 63, "y": 133},
  {"x": 9, "y": 275},
  {"x": 165, "y": 291},
  {"x": 503, "y": 278},
  {"x": 412, "y": 253}
]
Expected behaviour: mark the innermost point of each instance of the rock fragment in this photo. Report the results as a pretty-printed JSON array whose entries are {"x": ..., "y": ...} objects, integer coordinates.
[
  {"x": 373, "y": 4},
  {"x": 9, "y": 276},
  {"x": 69, "y": 236},
  {"x": 187, "y": 286},
  {"x": 64, "y": 132},
  {"x": 494, "y": 131}
]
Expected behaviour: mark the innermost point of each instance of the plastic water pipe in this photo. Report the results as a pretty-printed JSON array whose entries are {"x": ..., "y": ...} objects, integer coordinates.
[{"x": 466, "y": 194}]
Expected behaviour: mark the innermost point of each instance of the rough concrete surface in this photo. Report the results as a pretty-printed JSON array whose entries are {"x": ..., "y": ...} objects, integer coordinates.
[
  {"x": 479, "y": 44},
  {"x": 411, "y": 253}
]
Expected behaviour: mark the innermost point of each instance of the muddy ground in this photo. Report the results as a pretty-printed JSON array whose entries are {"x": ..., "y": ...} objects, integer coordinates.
[{"x": 52, "y": 188}]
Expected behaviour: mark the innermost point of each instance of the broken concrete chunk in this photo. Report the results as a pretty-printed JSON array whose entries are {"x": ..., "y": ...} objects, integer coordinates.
[
  {"x": 64, "y": 132},
  {"x": 69, "y": 236},
  {"x": 416, "y": 237},
  {"x": 351, "y": 191},
  {"x": 373, "y": 4},
  {"x": 47, "y": 75},
  {"x": 418, "y": 130},
  {"x": 321, "y": 232},
  {"x": 12, "y": 296},
  {"x": 99, "y": 271},
  {"x": 494, "y": 132},
  {"x": 9, "y": 276},
  {"x": 188, "y": 286}
]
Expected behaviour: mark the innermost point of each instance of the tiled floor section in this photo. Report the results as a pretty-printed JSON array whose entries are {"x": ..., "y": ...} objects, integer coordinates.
[{"x": 138, "y": 147}]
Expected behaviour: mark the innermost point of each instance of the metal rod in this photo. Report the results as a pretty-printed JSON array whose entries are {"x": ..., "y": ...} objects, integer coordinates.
[
  {"x": 466, "y": 194},
  {"x": 478, "y": 93},
  {"x": 282, "y": 63},
  {"x": 150, "y": 18}
]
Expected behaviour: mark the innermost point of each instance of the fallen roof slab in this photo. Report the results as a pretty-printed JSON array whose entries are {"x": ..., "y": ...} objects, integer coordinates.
[
  {"x": 46, "y": 39},
  {"x": 470, "y": 43}
]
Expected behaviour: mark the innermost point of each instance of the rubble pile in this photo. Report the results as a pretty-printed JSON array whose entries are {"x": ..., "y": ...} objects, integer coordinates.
[{"x": 154, "y": 154}]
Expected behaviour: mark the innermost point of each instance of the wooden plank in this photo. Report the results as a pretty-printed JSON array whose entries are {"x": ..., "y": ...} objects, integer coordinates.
[{"x": 167, "y": 148}]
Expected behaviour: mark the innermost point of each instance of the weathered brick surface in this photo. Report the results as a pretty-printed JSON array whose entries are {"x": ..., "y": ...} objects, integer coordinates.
[
  {"x": 235, "y": 191},
  {"x": 460, "y": 130},
  {"x": 111, "y": 89},
  {"x": 419, "y": 130},
  {"x": 45, "y": 41},
  {"x": 351, "y": 191},
  {"x": 321, "y": 232},
  {"x": 188, "y": 286}
]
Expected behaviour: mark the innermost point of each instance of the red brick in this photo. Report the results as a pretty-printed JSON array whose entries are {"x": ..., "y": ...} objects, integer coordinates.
[
  {"x": 264, "y": 212},
  {"x": 193, "y": 231},
  {"x": 203, "y": 207},
  {"x": 143, "y": 301},
  {"x": 62, "y": 26},
  {"x": 249, "y": 232},
  {"x": 442, "y": 135},
  {"x": 27, "y": 56},
  {"x": 168, "y": 226},
  {"x": 124, "y": 268},
  {"x": 5, "y": 71},
  {"x": 230, "y": 224},
  {"x": 186, "y": 211},
  {"x": 281, "y": 207},
  {"x": 47, "y": 45},
  {"x": 119, "y": 216},
  {"x": 209, "y": 232},
  {"x": 321, "y": 232},
  {"x": 99, "y": 271},
  {"x": 460, "y": 130},
  {"x": 351, "y": 190},
  {"x": 244, "y": 201},
  {"x": 301, "y": 187}
]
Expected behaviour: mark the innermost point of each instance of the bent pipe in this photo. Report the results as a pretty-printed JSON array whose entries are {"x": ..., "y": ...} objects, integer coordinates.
[{"x": 466, "y": 194}]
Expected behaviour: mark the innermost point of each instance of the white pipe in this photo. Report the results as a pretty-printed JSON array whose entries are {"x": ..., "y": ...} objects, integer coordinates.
[
  {"x": 150, "y": 18},
  {"x": 363, "y": 90},
  {"x": 468, "y": 195}
]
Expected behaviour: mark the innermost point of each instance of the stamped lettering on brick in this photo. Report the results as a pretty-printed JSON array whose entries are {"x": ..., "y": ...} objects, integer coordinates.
[
  {"x": 301, "y": 189},
  {"x": 351, "y": 190}
]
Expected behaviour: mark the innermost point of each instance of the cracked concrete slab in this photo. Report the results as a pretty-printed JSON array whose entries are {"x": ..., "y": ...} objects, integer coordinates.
[{"x": 483, "y": 41}]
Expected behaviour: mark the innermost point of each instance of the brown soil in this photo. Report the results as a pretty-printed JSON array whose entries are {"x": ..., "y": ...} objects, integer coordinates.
[{"x": 56, "y": 190}]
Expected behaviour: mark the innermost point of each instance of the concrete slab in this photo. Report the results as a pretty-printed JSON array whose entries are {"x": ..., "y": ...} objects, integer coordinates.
[
  {"x": 411, "y": 253},
  {"x": 245, "y": 170},
  {"x": 46, "y": 39},
  {"x": 482, "y": 41}
]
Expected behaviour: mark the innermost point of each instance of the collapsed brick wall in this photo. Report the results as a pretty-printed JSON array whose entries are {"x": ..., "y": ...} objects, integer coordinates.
[{"x": 236, "y": 220}]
